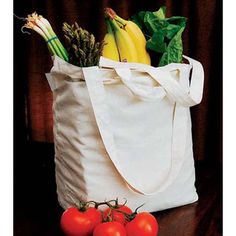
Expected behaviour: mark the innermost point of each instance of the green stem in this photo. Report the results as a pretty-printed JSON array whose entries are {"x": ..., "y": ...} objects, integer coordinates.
[
  {"x": 52, "y": 34},
  {"x": 40, "y": 32},
  {"x": 109, "y": 27},
  {"x": 136, "y": 210},
  {"x": 55, "y": 44},
  {"x": 59, "y": 44},
  {"x": 120, "y": 20},
  {"x": 114, "y": 25},
  {"x": 51, "y": 49}
]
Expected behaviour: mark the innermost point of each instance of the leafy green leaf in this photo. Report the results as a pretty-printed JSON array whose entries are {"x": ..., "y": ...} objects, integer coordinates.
[
  {"x": 150, "y": 22},
  {"x": 177, "y": 20},
  {"x": 174, "y": 50},
  {"x": 171, "y": 30},
  {"x": 156, "y": 42},
  {"x": 161, "y": 13}
]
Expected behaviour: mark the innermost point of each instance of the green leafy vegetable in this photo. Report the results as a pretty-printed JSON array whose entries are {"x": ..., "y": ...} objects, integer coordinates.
[
  {"x": 161, "y": 13},
  {"x": 173, "y": 51},
  {"x": 156, "y": 43},
  {"x": 164, "y": 35}
]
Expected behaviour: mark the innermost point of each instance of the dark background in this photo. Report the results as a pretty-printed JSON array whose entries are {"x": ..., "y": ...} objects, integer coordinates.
[{"x": 34, "y": 183}]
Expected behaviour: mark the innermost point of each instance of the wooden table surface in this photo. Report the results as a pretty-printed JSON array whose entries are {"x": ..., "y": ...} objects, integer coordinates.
[
  {"x": 203, "y": 218},
  {"x": 37, "y": 213}
]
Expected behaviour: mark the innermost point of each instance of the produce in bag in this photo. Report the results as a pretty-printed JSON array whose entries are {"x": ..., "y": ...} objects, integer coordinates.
[
  {"x": 129, "y": 34},
  {"x": 149, "y": 38},
  {"x": 164, "y": 35},
  {"x": 83, "y": 50},
  {"x": 42, "y": 26},
  {"x": 110, "y": 49}
]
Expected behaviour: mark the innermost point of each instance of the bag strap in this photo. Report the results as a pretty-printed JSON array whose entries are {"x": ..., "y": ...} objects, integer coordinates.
[
  {"x": 143, "y": 92},
  {"x": 173, "y": 89}
]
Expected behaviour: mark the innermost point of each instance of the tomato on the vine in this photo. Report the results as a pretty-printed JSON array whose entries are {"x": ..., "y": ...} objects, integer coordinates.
[
  {"x": 75, "y": 222},
  {"x": 116, "y": 213},
  {"x": 143, "y": 224},
  {"x": 112, "y": 228}
]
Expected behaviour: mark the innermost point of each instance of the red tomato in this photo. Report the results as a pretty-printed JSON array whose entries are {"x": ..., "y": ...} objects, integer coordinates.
[
  {"x": 79, "y": 223},
  {"x": 117, "y": 216},
  {"x": 144, "y": 224},
  {"x": 109, "y": 229}
]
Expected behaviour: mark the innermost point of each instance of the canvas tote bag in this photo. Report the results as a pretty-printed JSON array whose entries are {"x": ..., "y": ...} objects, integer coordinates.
[{"x": 123, "y": 130}]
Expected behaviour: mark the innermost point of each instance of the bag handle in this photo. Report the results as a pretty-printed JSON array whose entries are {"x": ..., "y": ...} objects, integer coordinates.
[
  {"x": 175, "y": 89},
  {"x": 143, "y": 92},
  {"x": 172, "y": 88}
]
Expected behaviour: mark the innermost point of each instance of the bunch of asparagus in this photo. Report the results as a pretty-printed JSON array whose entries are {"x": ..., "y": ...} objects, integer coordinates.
[{"x": 82, "y": 48}]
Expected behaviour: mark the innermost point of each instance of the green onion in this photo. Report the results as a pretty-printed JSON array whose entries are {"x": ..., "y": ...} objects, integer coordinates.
[
  {"x": 51, "y": 32},
  {"x": 42, "y": 26}
]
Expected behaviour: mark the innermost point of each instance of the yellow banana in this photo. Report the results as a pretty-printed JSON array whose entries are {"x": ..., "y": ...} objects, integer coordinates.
[
  {"x": 138, "y": 38},
  {"x": 125, "y": 45},
  {"x": 110, "y": 49}
]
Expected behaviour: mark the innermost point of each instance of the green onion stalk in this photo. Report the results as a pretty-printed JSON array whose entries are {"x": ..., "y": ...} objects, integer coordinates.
[{"x": 42, "y": 26}]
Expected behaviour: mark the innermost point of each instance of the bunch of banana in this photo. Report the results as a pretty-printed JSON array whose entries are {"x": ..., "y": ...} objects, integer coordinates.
[
  {"x": 110, "y": 49},
  {"x": 124, "y": 40}
]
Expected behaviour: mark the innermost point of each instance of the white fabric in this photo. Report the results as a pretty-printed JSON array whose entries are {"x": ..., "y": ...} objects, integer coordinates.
[{"x": 125, "y": 132}]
